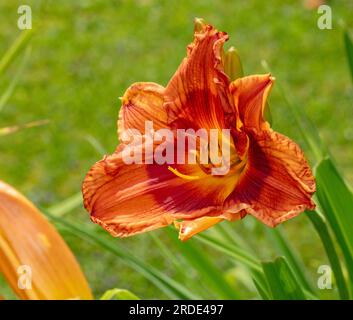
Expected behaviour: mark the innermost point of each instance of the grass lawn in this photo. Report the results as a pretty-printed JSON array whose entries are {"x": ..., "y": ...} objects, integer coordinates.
[{"x": 84, "y": 54}]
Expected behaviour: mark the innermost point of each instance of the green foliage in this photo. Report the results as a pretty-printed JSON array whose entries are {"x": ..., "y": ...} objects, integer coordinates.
[
  {"x": 278, "y": 238},
  {"x": 198, "y": 260},
  {"x": 336, "y": 201},
  {"x": 322, "y": 229},
  {"x": 281, "y": 281},
  {"x": 349, "y": 48},
  {"x": 14, "y": 50},
  {"x": 88, "y": 77}
]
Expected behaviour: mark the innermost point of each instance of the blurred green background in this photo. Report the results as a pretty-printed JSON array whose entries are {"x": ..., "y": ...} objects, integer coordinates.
[{"x": 84, "y": 54}]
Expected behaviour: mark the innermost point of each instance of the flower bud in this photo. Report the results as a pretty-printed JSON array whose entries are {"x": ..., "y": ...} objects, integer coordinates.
[{"x": 232, "y": 64}]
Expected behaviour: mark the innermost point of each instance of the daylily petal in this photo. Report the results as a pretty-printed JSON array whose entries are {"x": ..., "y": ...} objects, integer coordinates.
[
  {"x": 28, "y": 239},
  {"x": 189, "y": 228},
  {"x": 129, "y": 199},
  {"x": 277, "y": 183},
  {"x": 250, "y": 96},
  {"x": 197, "y": 94},
  {"x": 142, "y": 101}
]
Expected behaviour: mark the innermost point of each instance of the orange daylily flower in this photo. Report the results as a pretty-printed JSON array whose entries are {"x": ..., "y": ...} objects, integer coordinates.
[
  {"x": 34, "y": 259},
  {"x": 269, "y": 177}
]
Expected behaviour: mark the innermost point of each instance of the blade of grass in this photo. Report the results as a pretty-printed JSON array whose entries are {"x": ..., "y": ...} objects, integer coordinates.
[
  {"x": 349, "y": 51},
  {"x": 18, "y": 45},
  {"x": 11, "y": 87},
  {"x": 294, "y": 262},
  {"x": 261, "y": 285},
  {"x": 281, "y": 281},
  {"x": 321, "y": 228},
  {"x": 95, "y": 144},
  {"x": 225, "y": 230},
  {"x": 239, "y": 256},
  {"x": 205, "y": 268},
  {"x": 263, "y": 293},
  {"x": 232, "y": 251},
  {"x": 336, "y": 200},
  {"x": 66, "y": 205},
  {"x": 181, "y": 266}
]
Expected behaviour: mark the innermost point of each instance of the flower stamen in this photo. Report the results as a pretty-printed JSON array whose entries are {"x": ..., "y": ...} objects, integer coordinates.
[{"x": 181, "y": 175}]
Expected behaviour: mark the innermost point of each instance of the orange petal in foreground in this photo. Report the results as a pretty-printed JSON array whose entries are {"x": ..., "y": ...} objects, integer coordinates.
[
  {"x": 34, "y": 259},
  {"x": 269, "y": 177}
]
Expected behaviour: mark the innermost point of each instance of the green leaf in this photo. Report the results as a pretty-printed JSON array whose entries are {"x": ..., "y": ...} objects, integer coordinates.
[
  {"x": 295, "y": 263},
  {"x": 240, "y": 255},
  {"x": 198, "y": 260},
  {"x": 97, "y": 145},
  {"x": 349, "y": 50},
  {"x": 336, "y": 200},
  {"x": 261, "y": 291},
  {"x": 119, "y": 294},
  {"x": 281, "y": 280},
  {"x": 181, "y": 265},
  {"x": 66, "y": 205},
  {"x": 225, "y": 230},
  {"x": 321, "y": 227},
  {"x": 261, "y": 285},
  {"x": 5, "y": 96},
  {"x": 18, "y": 45}
]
